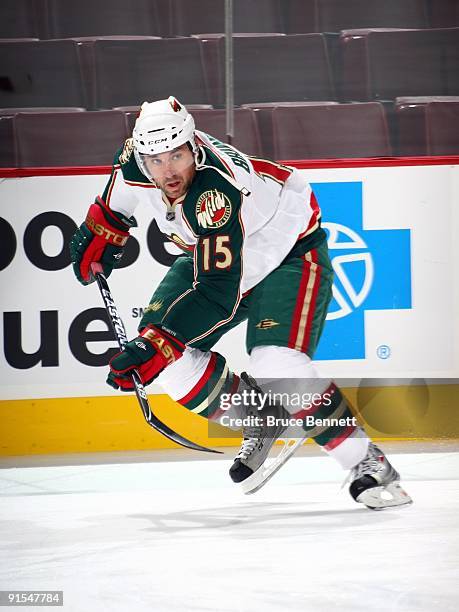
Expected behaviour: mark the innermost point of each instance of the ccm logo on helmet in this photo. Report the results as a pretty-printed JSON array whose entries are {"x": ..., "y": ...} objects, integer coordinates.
[{"x": 100, "y": 230}]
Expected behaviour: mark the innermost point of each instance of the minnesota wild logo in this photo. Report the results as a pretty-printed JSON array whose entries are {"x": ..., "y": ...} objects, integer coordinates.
[{"x": 213, "y": 209}]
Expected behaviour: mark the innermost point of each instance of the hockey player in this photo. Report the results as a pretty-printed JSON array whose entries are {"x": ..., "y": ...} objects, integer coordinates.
[{"x": 254, "y": 250}]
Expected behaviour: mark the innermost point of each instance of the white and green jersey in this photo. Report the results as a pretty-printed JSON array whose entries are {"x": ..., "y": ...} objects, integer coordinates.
[{"x": 239, "y": 220}]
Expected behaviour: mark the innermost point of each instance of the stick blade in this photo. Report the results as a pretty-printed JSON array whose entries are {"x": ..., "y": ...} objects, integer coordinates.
[{"x": 177, "y": 438}]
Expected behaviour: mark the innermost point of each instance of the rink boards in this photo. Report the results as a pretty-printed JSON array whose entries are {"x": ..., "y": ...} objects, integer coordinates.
[{"x": 392, "y": 229}]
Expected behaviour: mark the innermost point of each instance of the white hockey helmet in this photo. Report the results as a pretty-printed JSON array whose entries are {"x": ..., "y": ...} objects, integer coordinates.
[{"x": 162, "y": 126}]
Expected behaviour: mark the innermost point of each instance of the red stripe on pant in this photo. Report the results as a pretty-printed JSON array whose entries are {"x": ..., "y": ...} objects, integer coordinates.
[
  {"x": 297, "y": 315},
  {"x": 202, "y": 381},
  {"x": 340, "y": 439},
  {"x": 234, "y": 387}
]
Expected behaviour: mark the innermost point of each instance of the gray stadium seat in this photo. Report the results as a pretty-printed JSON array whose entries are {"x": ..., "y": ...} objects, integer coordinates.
[
  {"x": 44, "y": 73},
  {"x": 107, "y": 17},
  {"x": 128, "y": 72},
  {"x": 209, "y": 16},
  {"x": 69, "y": 139},
  {"x": 326, "y": 131},
  {"x": 271, "y": 69},
  {"x": 385, "y": 64}
]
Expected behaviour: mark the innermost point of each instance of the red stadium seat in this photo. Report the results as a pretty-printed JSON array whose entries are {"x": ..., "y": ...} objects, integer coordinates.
[
  {"x": 300, "y": 17},
  {"x": 271, "y": 68},
  {"x": 8, "y": 158},
  {"x": 127, "y": 72},
  {"x": 107, "y": 17},
  {"x": 246, "y": 134},
  {"x": 444, "y": 13},
  {"x": 385, "y": 64},
  {"x": 209, "y": 16},
  {"x": 412, "y": 126},
  {"x": 45, "y": 73},
  {"x": 325, "y": 131},
  {"x": 22, "y": 19},
  {"x": 263, "y": 114},
  {"x": 442, "y": 119},
  {"x": 87, "y": 60},
  {"x": 69, "y": 139},
  {"x": 336, "y": 15}
]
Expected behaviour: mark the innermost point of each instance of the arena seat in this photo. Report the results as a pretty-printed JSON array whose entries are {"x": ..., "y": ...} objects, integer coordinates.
[
  {"x": 209, "y": 16},
  {"x": 44, "y": 73},
  {"x": 444, "y": 13},
  {"x": 263, "y": 112},
  {"x": 411, "y": 113},
  {"x": 442, "y": 121},
  {"x": 8, "y": 157},
  {"x": 270, "y": 68},
  {"x": 69, "y": 139},
  {"x": 300, "y": 17},
  {"x": 336, "y": 15},
  {"x": 107, "y": 17},
  {"x": 21, "y": 18},
  {"x": 326, "y": 131},
  {"x": 384, "y": 64},
  {"x": 246, "y": 134},
  {"x": 87, "y": 61},
  {"x": 127, "y": 72},
  {"x": 10, "y": 112}
]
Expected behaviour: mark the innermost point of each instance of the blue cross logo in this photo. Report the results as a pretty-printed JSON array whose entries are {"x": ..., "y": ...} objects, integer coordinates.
[{"x": 372, "y": 270}]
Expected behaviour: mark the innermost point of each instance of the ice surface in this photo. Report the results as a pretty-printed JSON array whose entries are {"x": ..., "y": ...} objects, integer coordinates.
[{"x": 178, "y": 536}]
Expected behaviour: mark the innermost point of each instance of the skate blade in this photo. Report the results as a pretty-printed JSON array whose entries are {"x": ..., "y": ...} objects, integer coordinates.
[
  {"x": 390, "y": 496},
  {"x": 265, "y": 472}
]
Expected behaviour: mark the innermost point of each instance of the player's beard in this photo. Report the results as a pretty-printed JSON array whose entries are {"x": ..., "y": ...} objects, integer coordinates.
[{"x": 176, "y": 186}]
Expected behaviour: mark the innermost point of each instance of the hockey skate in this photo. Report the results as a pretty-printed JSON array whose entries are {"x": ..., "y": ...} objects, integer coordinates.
[
  {"x": 375, "y": 483},
  {"x": 249, "y": 469}
]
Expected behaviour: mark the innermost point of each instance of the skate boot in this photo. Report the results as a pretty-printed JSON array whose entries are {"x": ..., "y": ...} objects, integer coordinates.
[
  {"x": 375, "y": 483},
  {"x": 265, "y": 427}
]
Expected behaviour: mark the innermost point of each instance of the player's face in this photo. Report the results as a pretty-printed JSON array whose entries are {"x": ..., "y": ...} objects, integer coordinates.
[{"x": 172, "y": 171}]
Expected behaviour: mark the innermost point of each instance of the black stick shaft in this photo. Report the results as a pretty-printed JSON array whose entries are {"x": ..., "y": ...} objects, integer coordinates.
[{"x": 120, "y": 333}]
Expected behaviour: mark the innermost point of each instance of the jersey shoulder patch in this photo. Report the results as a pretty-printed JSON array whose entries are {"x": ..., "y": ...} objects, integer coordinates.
[
  {"x": 127, "y": 151},
  {"x": 125, "y": 159}
]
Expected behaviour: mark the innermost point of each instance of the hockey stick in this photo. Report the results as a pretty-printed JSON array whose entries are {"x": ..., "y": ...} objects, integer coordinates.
[{"x": 120, "y": 334}]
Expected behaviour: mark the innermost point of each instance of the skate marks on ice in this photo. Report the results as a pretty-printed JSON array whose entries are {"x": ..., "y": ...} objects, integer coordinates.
[{"x": 179, "y": 537}]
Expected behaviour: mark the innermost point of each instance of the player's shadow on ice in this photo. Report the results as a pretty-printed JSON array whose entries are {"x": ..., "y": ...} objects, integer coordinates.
[{"x": 278, "y": 517}]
